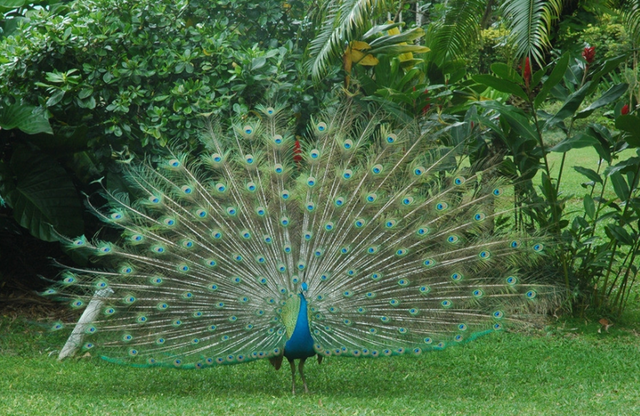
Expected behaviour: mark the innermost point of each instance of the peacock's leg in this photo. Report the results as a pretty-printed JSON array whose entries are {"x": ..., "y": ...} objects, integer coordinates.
[
  {"x": 293, "y": 375},
  {"x": 301, "y": 368}
]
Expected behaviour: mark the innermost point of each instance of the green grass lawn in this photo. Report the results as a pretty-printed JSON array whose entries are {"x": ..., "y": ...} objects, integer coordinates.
[{"x": 567, "y": 368}]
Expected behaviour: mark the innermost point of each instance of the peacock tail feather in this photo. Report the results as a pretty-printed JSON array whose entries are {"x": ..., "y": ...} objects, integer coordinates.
[{"x": 394, "y": 250}]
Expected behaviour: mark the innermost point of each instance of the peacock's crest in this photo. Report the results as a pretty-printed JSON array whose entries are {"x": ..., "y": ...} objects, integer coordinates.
[{"x": 369, "y": 230}]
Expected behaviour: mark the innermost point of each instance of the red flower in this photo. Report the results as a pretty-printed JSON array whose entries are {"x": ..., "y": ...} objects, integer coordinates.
[
  {"x": 589, "y": 54},
  {"x": 297, "y": 152},
  {"x": 527, "y": 72},
  {"x": 625, "y": 110},
  {"x": 427, "y": 101}
]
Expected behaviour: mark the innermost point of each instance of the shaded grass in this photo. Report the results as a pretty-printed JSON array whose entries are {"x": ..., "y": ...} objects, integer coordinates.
[{"x": 566, "y": 369}]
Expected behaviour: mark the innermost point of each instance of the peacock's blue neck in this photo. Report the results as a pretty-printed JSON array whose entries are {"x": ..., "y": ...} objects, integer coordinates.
[{"x": 300, "y": 345}]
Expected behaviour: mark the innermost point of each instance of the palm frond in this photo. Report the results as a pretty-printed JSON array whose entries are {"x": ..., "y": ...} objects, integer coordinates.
[
  {"x": 342, "y": 21},
  {"x": 459, "y": 27},
  {"x": 631, "y": 20},
  {"x": 529, "y": 22}
]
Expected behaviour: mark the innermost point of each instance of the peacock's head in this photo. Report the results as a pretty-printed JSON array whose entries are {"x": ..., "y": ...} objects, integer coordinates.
[{"x": 303, "y": 288}]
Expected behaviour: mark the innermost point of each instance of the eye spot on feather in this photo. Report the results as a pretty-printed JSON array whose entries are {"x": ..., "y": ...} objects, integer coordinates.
[{"x": 422, "y": 231}]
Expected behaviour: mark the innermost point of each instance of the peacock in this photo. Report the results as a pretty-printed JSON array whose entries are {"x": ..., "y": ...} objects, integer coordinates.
[{"x": 363, "y": 237}]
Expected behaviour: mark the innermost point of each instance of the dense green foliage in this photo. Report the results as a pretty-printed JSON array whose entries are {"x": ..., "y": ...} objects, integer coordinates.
[
  {"x": 88, "y": 85},
  {"x": 129, "y": 77}
]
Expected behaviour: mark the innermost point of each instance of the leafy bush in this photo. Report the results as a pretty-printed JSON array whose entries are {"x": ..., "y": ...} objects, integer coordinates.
[
  {"x": 597, "y": 250},
  {"x": 128, "y": 77}
]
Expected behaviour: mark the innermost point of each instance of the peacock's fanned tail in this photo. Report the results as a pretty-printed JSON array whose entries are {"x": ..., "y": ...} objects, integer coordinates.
[{"x": 398, "y": 252}]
